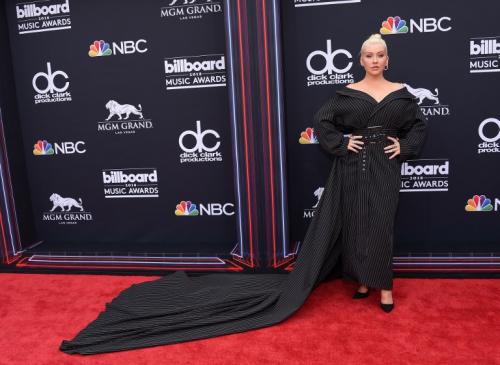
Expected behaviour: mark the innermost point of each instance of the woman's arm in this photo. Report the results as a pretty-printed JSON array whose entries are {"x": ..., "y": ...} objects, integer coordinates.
[
  {"x": 329, "y": 137},
  {"x": 412, "y": 143}
]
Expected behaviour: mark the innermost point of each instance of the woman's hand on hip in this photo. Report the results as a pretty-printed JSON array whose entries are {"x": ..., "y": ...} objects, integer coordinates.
[
  {"x": 394, "y": 149},
  {"x": 355, "y": 143}
]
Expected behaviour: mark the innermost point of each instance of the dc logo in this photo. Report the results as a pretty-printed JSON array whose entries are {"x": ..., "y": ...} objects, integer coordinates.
[
  {"x": 50, "y": 78},
  {"x": 483, "y": 124},
  {"x": 329, "y": 60},
  {"x": 199, "y": 136}
]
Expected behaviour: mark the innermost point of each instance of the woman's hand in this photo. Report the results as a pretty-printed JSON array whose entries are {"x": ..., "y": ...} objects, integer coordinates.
[
  {"x": 355, "y": 144},
  {"x": 394, "y": 148}
]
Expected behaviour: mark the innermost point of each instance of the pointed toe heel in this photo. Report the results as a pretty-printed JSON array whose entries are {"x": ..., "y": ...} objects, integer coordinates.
[
  {"x": 387, "y": 307},
  {"x": 359, "y": 295}
]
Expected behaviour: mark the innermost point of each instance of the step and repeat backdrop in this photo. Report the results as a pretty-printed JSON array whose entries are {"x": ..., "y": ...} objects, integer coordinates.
[
  {"x": 123, "y": 106},
  {"x": 447, "y": 54},
  {"x": 124, "y": 112}
]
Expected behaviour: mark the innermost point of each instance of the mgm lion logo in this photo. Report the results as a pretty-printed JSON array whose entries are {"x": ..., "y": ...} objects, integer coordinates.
[
  {"x": 62, "y": 203},
  {"x": 120, "y": 109},
  {"x": 421, "y": 94},
  {"x": 317, "y": 193}
]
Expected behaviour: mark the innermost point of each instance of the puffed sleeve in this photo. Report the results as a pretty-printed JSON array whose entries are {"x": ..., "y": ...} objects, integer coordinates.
[
  {"x": 329, "y": 136},
  {"x": 413, "y": 141}
]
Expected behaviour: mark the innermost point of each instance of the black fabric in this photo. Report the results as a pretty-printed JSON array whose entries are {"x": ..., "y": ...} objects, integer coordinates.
[
  {"x": 180, "y": 307},
  {"x": 371, "y": 181}
]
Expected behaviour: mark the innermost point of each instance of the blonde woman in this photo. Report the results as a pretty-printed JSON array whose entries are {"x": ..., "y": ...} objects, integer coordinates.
[{"x": 371, "y": 126}]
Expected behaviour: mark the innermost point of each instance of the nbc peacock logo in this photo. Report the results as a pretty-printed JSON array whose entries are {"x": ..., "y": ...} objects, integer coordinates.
[
  {"x": 42, "y": 148},
  {"x": 100, "y": 48},
  {"x": 186, "y": 208},
  {"x": 479, "y": 203},
  {"x": 394, "y": 25},
  {"x": 308, "y": 137}
]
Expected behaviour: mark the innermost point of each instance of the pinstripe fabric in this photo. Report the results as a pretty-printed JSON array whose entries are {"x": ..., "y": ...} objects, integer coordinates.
[
  {"x": 179, "y": 307},
  {"x": 371, "y": 180}
]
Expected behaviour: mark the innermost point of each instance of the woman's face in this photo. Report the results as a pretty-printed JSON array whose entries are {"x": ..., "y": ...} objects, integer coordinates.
[{"x": 374, "y": 58}]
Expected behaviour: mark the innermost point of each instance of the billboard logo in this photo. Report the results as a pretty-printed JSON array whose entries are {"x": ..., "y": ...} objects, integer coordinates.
[
  {"x": 428, "y": 101},
  {"x": 205, "y": 146},
  {"x": 61, "y": 211},
  {"x": 484, "y": 54},
  {"x": 131, "y": 183},
  {"x": 186, "y": 208},
  {"x": 329, "y": 68},
  {"x": 195, "y": 71},
  {"x": 33, "y": 18},
  {"x": 308, "y": 137},
  {"x": 190, "y": 9},
  {"x": 51, "y": 86},
  {"x": 44, "y": 148},
  {"x": 396, "y": 25},
  {"x": 489, "y": 131},
  {"x": 102, "y": 48},
  {"x": 425, "y": 175}
]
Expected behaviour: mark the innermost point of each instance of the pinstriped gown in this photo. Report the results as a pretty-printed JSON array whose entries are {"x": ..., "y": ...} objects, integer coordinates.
[
  {"x": 370, "y": 180},
  {"x": 180, "y": 307}
]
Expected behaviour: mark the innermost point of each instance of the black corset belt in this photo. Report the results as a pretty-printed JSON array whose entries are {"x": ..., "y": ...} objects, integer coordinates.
[{"x": 375, "y": 134}]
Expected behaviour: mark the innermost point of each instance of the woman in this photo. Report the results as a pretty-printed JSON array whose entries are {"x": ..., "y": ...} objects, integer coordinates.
[
  {"x": 374, "y": 112},
  {"x": 180, "y": 307}
]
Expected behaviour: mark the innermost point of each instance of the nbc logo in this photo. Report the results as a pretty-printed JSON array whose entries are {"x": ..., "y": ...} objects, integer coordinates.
[
  {"x": 396, "y": 25},
  {"x": 100, "y": 48},
  {"x": 186, "y": 208},
  {"x": 480, "y": 203},
  {"x": 308, "y": 137},
  {"x": 44, "y": 148}
]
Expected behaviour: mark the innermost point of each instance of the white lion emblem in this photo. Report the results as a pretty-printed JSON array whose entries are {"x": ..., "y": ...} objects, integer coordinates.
[
  {"x": 61, "y": 202},
  {"x": 317, "y": 193},
  {"x": 118, "y": 109},
  {"x": 421, "y": 94}
]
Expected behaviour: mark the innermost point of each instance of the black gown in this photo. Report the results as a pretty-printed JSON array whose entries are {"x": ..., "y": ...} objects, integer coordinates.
[{"x": 179, "y": 307}]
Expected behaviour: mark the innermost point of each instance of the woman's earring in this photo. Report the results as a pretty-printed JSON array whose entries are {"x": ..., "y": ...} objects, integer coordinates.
[{"x": 386, "y": 67}]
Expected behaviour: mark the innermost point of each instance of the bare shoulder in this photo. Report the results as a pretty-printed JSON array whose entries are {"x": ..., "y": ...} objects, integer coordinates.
[
  {"x": 353, "y": 85},
  {"x": 397, "y": 85}
]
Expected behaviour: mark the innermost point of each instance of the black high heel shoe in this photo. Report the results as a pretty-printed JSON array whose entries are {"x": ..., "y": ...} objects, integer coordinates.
[
  {"x": 387, "y": 307},
  {"x": 359, "y": 295}
]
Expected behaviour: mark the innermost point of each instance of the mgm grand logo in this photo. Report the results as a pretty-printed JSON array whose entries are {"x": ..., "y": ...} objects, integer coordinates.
[
  {"x": 190, "y": 9},
  {"x": 124, "y": 119},
  {"x": 429, "y": 101},
  {"x": 66, "y": 210}
]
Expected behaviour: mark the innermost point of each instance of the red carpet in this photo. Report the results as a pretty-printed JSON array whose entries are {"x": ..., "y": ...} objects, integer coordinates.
[{"x": 435, "y": 321}]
